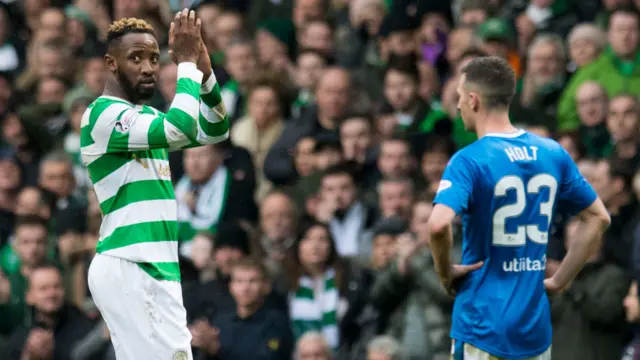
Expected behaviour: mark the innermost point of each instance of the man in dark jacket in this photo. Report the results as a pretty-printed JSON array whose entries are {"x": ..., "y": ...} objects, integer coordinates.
[
  {"x": 56, "y": 326},
  {"x": 253, "y": 330},
  {"x": 588, "y": 318}
]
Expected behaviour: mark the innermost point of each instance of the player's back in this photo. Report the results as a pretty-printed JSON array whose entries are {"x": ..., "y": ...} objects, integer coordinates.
[{"x": 515, "y": 181}]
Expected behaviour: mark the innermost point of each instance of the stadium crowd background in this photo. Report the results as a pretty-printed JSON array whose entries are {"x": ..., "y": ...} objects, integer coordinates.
[{"x": 305, "y": 235}]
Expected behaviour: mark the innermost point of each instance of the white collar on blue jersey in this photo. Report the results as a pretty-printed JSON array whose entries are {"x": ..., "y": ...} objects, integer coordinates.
[{"x": 506, "y": 135}]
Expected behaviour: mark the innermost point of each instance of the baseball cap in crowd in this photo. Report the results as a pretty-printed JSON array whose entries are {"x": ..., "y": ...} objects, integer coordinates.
[
  {"x": 497, "y": 30},
  {"x": 231, "y": 235}
]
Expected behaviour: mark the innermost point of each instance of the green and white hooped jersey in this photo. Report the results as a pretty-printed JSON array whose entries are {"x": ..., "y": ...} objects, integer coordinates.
[{"x": 125, "y": 148}]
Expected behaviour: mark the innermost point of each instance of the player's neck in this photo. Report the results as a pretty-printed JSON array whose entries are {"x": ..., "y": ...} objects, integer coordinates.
[
  {"x": 112, "y": 88},
  {"x": 495, "y": 122}
]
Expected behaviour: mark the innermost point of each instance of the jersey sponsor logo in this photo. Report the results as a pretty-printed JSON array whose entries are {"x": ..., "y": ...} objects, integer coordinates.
[
  {"x": 444, "y": 185},
  {"x": 164, "y": 171},
  {"x": 180, "y": 355},
  {"x": 525, "y": 264}
]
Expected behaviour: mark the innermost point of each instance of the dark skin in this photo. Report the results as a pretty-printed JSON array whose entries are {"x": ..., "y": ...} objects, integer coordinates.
[{"x": 133, "y": 61}]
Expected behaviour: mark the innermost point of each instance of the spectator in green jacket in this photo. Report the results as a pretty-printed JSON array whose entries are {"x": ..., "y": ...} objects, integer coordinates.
[{"x": 616, "y": 69}]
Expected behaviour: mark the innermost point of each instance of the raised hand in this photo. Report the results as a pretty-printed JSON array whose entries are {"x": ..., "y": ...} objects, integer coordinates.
[
  {"x": 203, "y": 62},
  {"x": 185, "y": 40}
]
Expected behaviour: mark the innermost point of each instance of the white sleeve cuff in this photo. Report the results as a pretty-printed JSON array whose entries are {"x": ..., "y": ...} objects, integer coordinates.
[
  {"x": 190, "y": 70},
  {"x": 208, "y": 85}
]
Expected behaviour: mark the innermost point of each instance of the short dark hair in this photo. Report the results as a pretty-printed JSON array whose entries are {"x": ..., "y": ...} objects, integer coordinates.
[
  {"x": 249, "y": 263},
  {"x": 396, "y": 138},
  {"x": 439, "y": 144},
  {"x": 623, "y": 169},
  {"x": 494, "y": 79},
  {"x": 31, "y": 220},
  {"x": 355, "y": 115},
  {"x": 124, "y": 26},
  {"x": 46, "y": 265},
  {"x": 406, "y": 65},
  {"x": 627, "y": 10},
  {"x": 575, "y": 137},
  {"x": 339, "y": 169}
]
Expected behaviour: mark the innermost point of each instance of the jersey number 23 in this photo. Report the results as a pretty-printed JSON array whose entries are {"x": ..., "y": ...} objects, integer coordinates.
[{"x": 533, "y": 186}]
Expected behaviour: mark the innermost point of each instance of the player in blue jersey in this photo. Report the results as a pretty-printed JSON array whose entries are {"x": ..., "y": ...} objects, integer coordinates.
[{"x": 506, "y": 186}]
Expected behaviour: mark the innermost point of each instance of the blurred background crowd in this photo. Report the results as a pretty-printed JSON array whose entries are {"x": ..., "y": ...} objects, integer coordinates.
[{"x": 305, "y": 235}]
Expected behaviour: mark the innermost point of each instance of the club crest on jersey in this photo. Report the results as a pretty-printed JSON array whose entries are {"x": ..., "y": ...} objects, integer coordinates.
[
  {"x": 444, "y": 185},
  {"x": 124, "y": 124},
  {"x": 180, "y": 355}
]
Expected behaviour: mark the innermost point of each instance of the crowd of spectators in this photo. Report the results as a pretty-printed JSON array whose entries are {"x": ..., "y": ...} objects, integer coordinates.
[{"x": 305, "y": 235}]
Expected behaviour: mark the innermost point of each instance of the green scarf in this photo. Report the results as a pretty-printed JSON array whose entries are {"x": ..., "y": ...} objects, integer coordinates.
[
  {"x": 316, "y": 313},
  {"x": 626, "y": 68}
]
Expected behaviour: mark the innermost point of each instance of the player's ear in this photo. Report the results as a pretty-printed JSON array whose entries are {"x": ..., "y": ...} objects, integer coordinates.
[
  {"x": 111, "y": 63},
  {"x": 474, "y": 101}
]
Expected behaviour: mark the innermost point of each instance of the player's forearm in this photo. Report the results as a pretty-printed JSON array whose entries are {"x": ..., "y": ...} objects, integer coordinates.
[
  {"x": 185, "y": 107},
  {"x": 213, "y": 122},
  {"x": 441, "y": 242},
  {"x": 585, "y": 242}
]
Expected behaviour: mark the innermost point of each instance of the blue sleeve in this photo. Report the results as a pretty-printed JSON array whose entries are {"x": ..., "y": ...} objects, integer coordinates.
[
  {"x": 456, "y": 186},
  {"x": 576, "y": 194}
]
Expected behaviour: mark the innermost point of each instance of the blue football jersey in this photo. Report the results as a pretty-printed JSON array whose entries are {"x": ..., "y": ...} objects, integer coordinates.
[{"x": 507, "y": 188}]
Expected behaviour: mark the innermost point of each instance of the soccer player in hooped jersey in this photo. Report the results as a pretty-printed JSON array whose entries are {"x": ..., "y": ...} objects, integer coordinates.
[
  {"x": 506, "y": 186},
  {"x": 135, "y": 278}
]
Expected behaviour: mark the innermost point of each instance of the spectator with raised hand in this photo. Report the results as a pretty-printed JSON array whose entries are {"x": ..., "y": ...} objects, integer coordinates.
[{"x": 418, "y": 309}]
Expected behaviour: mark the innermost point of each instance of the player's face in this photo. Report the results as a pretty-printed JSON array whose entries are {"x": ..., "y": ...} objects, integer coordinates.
[{"x": 135, "y": 62}]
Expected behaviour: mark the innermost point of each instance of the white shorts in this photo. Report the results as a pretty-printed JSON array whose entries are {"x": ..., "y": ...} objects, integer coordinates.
[
  {"x": 145, "y": 316},
  {"x": 463, "y": 351}
]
